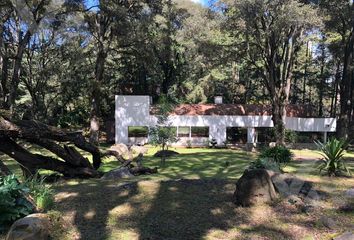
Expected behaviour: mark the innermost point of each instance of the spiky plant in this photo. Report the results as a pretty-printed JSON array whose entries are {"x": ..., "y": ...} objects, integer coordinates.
[{"x": 333, "y": 152}]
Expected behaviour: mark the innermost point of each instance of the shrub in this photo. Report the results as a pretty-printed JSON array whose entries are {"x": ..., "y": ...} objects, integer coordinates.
[
  {"x": 291, "y": 136},
  {"x": 42, "y": 193},
  {"x": 265, "y": 163},
  {"x": 189, "y": 144},
  {"x": 279, "y": 154},
  {"x": 213, "y": 143},
  {"x": 333, "y": 152},
  {"x": 13, "y": 204}
]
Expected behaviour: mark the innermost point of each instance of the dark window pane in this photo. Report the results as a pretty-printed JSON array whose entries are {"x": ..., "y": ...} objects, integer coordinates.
[
  {"x": 236, "y": 135},
  {"x": 200, "y": 131}
]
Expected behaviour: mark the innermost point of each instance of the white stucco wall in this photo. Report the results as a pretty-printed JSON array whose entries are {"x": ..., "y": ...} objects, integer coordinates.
[{"x": 135, "y": 111}]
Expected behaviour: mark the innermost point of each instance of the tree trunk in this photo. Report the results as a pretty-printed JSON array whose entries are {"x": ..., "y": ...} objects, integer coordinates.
[
  {"x": 278, "y": 117},
  {"x": 43, "y": 135},
  {"x": 322, "y": 81},
  {"x": 96, "y": 96},
  {"x": 4, "y": 170},
  {"x": 335, "y": 92},
  {"x": 346, "y": 86},
  {"x": 33, "y": 162},
  {"x": 15, "y": 81}
]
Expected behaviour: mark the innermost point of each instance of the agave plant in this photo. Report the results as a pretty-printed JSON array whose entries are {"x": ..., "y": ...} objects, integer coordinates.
[{"x": 333, "y": 152}]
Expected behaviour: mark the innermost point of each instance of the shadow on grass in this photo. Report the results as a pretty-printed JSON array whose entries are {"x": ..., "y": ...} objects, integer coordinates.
[{"x": 179, "y": 210}]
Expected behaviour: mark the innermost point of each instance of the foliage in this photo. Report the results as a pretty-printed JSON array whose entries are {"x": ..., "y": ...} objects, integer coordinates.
[
  {"x": 333, "y": 152},
  {"x": 265, "y": 163},
  {"x": 13, "y": 205},
  {"x": 291, "y": 136},
  {"x": 278, "y": 154},
  {"x": 162, "y": 136},
  {"x": 79, "y": 58},
  {"x": 42, "y": 193},
  {"x": 213, "y": 143},
  {"x": 189, "y": 143}
]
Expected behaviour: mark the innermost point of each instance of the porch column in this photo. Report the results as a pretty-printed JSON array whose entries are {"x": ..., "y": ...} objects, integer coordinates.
[
  {"x": 218, "y": 132},
  {"x": 121, "y": 134},
  {"x": 251, "y": 135}
]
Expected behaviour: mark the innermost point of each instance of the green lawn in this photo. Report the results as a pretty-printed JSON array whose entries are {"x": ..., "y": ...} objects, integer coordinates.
[
  {"x": 194, "y": 163},
  {"x": 161, "y": 206}
]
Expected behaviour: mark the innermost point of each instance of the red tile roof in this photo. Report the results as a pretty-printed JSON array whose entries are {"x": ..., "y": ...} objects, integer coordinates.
[{"x": 236, "y": 109}]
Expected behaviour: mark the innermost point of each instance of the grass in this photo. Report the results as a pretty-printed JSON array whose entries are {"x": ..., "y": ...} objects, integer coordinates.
[
  {"x": 194, "y": 163},
  {"x": 163, "y": 207}
]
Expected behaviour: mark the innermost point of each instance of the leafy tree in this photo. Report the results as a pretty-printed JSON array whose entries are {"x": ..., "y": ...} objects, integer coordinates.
[
  {"x": 339, "y": 26},
  {"x": 272, "y": 33},
  {"x": 163, "y": 134}
]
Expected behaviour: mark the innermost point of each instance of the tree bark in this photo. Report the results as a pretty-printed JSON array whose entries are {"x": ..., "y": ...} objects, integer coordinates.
[
  {"x": 74, "y": 163},
  {"x": 10, "y": 101},
  {"x": 346, "y": 87},
  {"x": 37, "y": 131},
  {"x": 4, "y": 170},
  {"x": 33, "y": 162}
]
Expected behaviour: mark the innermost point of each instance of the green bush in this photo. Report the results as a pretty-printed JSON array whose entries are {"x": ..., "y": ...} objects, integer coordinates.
[
  {"x": 13, "y": 204},
  {"x": 333, "y": 152},
  {"x": 265, "y": 163},
  {"x": 42, "y": 193},
  {"x": 279, "y": 154},
  {"x": 291, "y": 136}
]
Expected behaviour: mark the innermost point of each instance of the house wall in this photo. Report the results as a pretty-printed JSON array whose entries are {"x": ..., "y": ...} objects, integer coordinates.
[{"x": 135, "y": 111}]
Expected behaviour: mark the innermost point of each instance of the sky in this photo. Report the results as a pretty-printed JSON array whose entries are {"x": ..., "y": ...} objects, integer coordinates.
[{"x": 94, "y": 2}]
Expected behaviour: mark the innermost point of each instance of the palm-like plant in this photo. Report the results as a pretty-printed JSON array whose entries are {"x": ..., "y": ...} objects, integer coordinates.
[{"x": 333, "y": 152}]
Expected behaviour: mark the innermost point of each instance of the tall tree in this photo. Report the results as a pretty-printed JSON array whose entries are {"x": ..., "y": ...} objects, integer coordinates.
[
  {"x": 339, "y": 23},
  {"x": 273, "y": 34}
]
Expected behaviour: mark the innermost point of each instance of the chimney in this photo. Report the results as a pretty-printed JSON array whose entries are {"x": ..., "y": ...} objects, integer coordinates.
[{"x": 218, "y": 99}]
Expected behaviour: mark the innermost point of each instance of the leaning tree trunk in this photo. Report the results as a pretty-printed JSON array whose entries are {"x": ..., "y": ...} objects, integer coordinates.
[{"x": 73, "y": 164}]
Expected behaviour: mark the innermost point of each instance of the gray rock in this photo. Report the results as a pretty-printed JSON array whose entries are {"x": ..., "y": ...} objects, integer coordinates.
[
  {"x": 254, "y": 187},
  {"x": 33, "y": 227},
  {"x": 294, "y": 200},
  {"x": 328, "y": 222},
  {"x": 287, "y": 185},
  {"x": 118, "y": 174},
  {"x": 350, "y": 193},
  {"x": 345, "y": 236}
]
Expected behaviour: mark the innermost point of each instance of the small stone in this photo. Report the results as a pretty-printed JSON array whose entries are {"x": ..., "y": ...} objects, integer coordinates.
[
  {"x": 295, "y": 200},
  {"x": 345, "y": 236}
]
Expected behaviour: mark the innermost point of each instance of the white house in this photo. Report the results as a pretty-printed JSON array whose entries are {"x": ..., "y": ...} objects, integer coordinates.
[{"x": 200, "y": 122}]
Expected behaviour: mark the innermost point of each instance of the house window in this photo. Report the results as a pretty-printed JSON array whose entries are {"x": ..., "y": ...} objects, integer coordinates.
[
  {"x": 183, "y": 131},
  {"x": 138, "y": 131},
  {"x": 170, "y": 130},
  {"x": 200, "y": 131},
  {"x": 236, "y": 135}
]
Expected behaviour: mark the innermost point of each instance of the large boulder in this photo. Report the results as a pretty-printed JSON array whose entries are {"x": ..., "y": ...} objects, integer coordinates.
[
  {"x": 118, "y": 174},
  {"x": 345, "y": 236},
  {"x": 254, "y": 187},
  {"x": 122, "y": 150},
  {"x": 33, "y": 227},
  {"x": 139, "y": 149}
]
